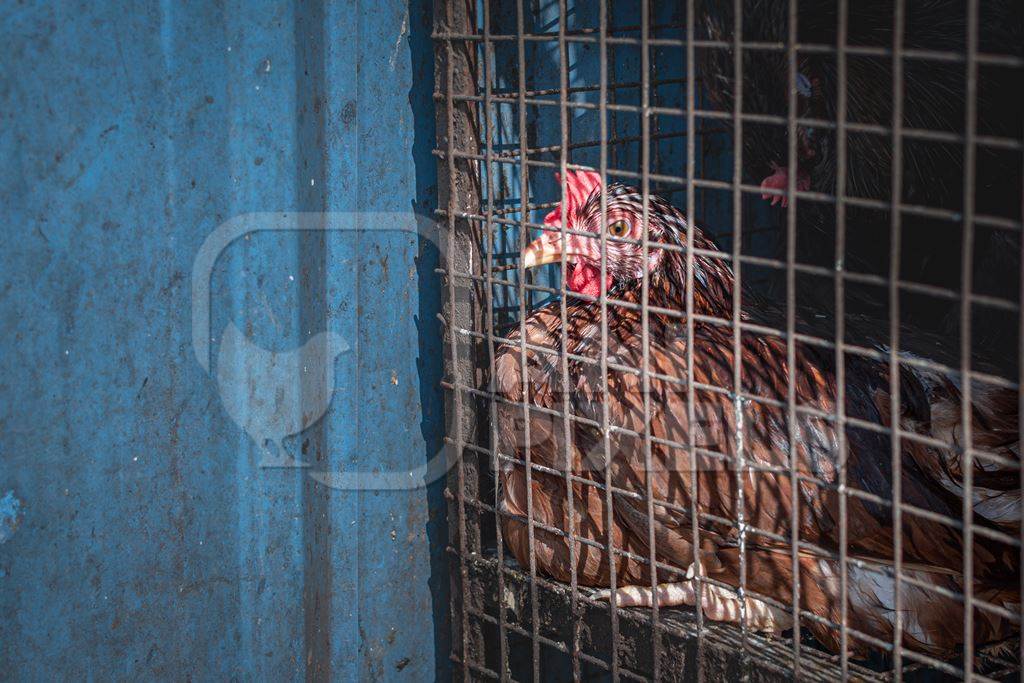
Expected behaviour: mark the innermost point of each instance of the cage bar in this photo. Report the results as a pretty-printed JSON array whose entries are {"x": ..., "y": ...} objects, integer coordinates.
[
  {"x": 840, "y": 322},
  {"x": 895, "y": 249}
]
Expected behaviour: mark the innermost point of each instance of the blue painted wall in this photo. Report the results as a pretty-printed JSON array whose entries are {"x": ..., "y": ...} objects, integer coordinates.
[{"x": 139, "y": 535}]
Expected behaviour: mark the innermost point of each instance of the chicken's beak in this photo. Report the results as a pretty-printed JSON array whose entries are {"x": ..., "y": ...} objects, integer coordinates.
[{"x": 547, "y": 249}]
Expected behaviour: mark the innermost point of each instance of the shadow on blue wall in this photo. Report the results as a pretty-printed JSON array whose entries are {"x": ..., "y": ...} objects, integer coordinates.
[{"x": 429, "y": 363}]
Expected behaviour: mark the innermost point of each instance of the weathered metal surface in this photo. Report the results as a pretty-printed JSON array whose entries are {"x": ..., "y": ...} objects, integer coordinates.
[{"x": 143, "y": 538}]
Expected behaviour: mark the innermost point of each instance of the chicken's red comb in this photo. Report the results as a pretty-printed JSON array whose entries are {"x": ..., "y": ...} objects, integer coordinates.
[{"x": 579, "y": 186}]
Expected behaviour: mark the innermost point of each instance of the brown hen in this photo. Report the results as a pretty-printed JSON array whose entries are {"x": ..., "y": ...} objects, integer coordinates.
[{"x": 749, "y": 427}]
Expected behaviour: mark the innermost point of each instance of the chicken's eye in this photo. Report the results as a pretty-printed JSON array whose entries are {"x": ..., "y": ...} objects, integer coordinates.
[{"x": 618, "y": 229}]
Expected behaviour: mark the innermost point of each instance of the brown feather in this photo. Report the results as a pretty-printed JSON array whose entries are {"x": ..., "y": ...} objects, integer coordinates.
[{"x": 931, "y": 478}]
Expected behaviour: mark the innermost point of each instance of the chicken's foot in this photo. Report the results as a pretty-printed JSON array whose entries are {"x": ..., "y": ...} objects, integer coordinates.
[{"x": 718, "y": 603}]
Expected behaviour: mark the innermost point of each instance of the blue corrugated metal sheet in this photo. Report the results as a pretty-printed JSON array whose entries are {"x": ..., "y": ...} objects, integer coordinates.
[{"x": 140, "y": 536}]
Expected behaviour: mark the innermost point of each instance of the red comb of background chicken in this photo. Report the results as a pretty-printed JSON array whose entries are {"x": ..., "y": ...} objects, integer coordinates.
[{"x": 582, "y": 277}]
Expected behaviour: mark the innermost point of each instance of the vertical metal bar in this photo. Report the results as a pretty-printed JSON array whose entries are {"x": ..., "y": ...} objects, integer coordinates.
[
  {"x": 491, "y": 390},
  {"x": 1020, "y": 416},
  {"x": 605, "y": 430},
  {"x": 524, "y": 234},
  {"x": 895, "y": 254},
  {"x": 967, "y": 274},
  {"x": 737, "y": 335},
  {"x": 794, "y": 517},
  {"x": 614, "y": 95},
  {"x": 700, "y": 193},
  {"x": 570, "y": 466},
  {"x": 645, "y": 339},
  {"x": 840, "y": 306},
  {"x": 655, "y": 122},
  {"x": 691, "y": 106},
  {"x": 457, "y": 398}
]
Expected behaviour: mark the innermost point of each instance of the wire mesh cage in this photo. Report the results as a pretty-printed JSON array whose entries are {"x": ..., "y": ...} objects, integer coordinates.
[{"x": 733, "y": 333}]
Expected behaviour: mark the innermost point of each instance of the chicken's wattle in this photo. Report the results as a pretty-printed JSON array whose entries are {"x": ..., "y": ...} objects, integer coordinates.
[{"x": 586, "y": 279}]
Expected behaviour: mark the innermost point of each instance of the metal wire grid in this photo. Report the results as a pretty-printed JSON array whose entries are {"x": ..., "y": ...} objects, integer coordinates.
[{"x": 466, "y": 65}]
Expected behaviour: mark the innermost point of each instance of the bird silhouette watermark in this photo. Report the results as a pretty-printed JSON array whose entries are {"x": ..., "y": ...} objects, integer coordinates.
[{"x": 275, "y": 394}]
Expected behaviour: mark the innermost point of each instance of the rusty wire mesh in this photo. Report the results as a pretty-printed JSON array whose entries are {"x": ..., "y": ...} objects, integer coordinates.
[{"x": 524, "y": 89}]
